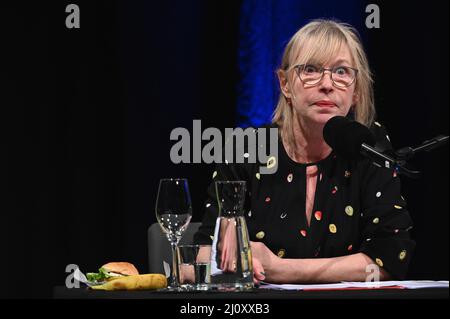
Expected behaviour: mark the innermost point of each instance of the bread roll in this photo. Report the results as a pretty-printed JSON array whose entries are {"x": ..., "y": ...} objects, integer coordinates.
[{"x": 121, "y": 268}]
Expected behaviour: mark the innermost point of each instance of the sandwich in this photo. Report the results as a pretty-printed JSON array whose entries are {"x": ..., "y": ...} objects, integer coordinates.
[{"x": 112, "y": 270}]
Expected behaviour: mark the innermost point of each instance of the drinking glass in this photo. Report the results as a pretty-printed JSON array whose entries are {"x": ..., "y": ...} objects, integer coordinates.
[
  {"x": 194, "y": 263},
  {"x": 173, "y": 212}
]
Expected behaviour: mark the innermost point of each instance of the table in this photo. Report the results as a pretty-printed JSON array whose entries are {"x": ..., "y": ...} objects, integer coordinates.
[{"x": 62, "y": 292}]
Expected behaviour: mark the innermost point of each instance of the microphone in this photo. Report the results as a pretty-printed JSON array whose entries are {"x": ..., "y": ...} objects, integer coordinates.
[{"x": 352, "y": 140}]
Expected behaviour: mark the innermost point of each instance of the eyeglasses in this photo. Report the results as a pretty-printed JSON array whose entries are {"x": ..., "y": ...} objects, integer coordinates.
[{"x": 310, "y": 74}]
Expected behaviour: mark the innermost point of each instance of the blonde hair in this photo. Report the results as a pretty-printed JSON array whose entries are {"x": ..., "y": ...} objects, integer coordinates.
[{"x": 316, "y": 42}]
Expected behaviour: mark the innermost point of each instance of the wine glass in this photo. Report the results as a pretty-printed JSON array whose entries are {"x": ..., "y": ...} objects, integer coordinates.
[{"x": 173, "y": 212}]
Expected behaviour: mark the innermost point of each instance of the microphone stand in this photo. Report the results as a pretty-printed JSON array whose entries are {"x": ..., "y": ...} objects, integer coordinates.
[
  {"x": 406, "y": 153},
  {"x": 402, "y": 155}
]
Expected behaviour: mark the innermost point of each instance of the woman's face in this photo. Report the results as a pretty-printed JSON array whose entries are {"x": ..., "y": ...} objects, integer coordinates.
[{"x": 316, "y": 104}]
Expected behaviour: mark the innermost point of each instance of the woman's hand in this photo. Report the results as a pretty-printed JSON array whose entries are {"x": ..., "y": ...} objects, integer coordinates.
[
  {"x": 228, "y": 250},
  {"x": 265, "y": 263}
]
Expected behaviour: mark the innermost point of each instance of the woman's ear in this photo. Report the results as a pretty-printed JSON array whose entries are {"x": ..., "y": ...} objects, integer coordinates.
[
  {"x": 284, "y": 84},
  {"x": 355, "y": 100}
]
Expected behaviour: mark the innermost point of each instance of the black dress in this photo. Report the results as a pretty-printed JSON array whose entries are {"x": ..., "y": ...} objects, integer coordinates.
[{"x": 357, "y": 207}]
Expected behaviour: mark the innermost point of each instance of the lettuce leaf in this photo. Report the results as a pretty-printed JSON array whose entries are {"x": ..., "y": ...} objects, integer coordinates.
[{"x": 102, "y": 275}]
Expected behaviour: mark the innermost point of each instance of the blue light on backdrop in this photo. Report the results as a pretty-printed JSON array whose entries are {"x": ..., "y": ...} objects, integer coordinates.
[{"x": 265, "y": 28}]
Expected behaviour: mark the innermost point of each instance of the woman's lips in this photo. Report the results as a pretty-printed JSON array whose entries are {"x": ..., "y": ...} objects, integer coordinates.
[{"x": 325, "y": 104}]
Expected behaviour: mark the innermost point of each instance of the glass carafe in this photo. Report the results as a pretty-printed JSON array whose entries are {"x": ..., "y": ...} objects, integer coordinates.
[{"x": 231, "y": 257}]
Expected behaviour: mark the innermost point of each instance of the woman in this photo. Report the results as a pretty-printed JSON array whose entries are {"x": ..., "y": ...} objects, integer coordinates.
[{"x": 320, "y": 217}]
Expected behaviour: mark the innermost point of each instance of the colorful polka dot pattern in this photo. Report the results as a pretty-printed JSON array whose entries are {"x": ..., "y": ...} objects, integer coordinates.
[{"x": 336, "y": 214}]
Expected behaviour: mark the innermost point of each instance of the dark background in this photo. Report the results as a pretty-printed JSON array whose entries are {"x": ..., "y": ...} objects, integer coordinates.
[{"x": 86, "y": 116}]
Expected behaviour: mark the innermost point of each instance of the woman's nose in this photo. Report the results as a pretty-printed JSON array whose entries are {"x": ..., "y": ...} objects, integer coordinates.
[{"x": 326, "y": 84}]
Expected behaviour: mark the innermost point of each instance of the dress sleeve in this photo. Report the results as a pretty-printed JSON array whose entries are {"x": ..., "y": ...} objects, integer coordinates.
[{"x": 385, "y": 220}]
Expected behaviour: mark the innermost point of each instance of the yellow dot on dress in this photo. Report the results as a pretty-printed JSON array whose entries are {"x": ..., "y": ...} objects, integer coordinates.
[
  {"x": 258, "y": 176},
  {"x": 349, "y": 210},
  {"x": 214, "y": 174},
  {"x": 271, "y": 162},
  {"x": 379, "y": 262},
  {"x": 290, "y": 177},
  {"x": 260, "y": 235},
  {"x": 402, "y": 255},
  {"x": 281, "y": 253},
  {"x": 376, "y": 220},
  {"x": 332, "y": 228},
  {"x": 377, "y": 124},
  {"x": 398, "y": 207}
]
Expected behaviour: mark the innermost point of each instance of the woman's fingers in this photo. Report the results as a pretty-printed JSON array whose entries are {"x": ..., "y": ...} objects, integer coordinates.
[{"x": 258, "y": 271}]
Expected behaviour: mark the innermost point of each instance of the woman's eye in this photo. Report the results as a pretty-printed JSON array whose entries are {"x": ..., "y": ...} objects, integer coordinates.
[
  {"x": 311, "y": 69},
  {"x": 341, "y": 71}
]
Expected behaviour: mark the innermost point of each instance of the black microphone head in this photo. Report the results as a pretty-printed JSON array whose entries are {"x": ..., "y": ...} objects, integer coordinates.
[{"x": 345, "y": 136}]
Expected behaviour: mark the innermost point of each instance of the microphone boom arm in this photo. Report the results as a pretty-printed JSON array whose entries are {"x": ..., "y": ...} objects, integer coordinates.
[
  {"x": 399, "y": 165},
  {"x": 403, "y": 154},
  {"x": 408, "y": 152}
]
